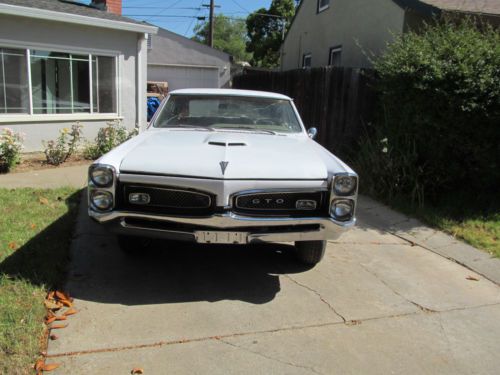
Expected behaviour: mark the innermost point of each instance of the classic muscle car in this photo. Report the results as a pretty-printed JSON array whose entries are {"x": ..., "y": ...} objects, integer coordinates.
[{"x": 222, "y": 166}]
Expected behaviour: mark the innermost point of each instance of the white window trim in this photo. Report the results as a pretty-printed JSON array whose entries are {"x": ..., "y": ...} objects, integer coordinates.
[
  {"x": 322, "y": 8},
  {"x": 31, "y": 117},
  {"x": 304, "y": 56},
  {"x": 334, "y": 50}
]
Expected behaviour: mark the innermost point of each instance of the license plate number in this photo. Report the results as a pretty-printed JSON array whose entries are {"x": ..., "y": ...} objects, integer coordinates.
[{"x": 221, "y": 237}]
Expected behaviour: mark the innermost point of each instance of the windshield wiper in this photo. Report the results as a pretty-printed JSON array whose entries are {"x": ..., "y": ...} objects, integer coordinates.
[{"x": 246, "y": 128}]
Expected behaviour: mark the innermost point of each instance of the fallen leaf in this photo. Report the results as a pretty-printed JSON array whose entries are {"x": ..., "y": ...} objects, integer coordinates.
[
  {"x": 70, "y": 312},
  {"x": 50, "y": 320},
  {"x": 33, "y": 226},
  {"x": 39, "y": 364},
  {"x": 62, "y": 295},
  {"x": 61, "y": 317},
  {"x": 52, "y": 305},
  {"x": 50, "y": 295},
  {"x": 66, "y": 303},
  {"x": 58, "y": 326},
  {"x": 12, "y": 245},
  {"x": 353, "y": 322},
  {"x": 472, "y": 278},
  {"x": 43, "y": 200},
  {"x": 54, "y": 337},
  {"x": 50, "y": 367},
  {"x": 137, "y": 370},
  {"x": 43, "y": 353}
]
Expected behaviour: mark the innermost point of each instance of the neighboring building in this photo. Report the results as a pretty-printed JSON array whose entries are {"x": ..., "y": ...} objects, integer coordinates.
[
  {"x": 344, "y": 32},
  {"x": 184, "y": 63},
  {"x": 62, "y": 62}
]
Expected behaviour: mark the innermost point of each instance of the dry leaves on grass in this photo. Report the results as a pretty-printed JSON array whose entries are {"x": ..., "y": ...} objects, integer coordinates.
[
  {"x": 12, "y": 245},
  {"x": 43, "y": 200}
]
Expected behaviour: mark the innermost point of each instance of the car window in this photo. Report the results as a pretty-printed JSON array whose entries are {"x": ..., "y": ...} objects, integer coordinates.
[{"x": 219, "y": 112}]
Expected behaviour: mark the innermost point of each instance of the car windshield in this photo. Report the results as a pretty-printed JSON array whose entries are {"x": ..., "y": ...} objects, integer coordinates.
[{"x": 229, "y": 112}]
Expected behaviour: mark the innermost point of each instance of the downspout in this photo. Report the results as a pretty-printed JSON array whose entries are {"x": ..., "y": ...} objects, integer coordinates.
[{"x": 141, "y": 82}]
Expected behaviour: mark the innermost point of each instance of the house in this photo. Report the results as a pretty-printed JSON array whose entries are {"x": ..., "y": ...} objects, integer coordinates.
[
  {"x": 63, "y": 62},
  {"x": 346, "y": 32},
  {"x": 185, "y": 63}
]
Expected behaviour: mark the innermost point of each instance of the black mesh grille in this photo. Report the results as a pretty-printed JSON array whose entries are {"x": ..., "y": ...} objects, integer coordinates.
[
  {"x": 280, "y": 203},
  {"x": 164, "y": 200}
]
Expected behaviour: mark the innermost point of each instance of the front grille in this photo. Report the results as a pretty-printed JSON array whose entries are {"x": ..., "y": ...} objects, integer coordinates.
[
  {"x": 280, "y": 203},
  {"x": 167, "y": 200}
]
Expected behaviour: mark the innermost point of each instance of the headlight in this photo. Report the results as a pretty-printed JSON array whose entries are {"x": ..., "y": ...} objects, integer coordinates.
[
  {"x": 345, "y": 185},
  {"x": 101, "y": 200},
  {"x": 101, "y": 176},
  {"x": 342, "y": 209}
]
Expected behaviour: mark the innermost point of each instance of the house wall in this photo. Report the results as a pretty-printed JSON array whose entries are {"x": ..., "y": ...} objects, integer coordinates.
[
  {"x": 184, "y": 63},
  {"x": 30, "y": 33},
  {"x": 356, "y": 25}
]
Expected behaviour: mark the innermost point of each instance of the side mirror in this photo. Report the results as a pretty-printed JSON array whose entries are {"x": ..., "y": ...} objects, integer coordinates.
[{"x": 312, "y": 132}]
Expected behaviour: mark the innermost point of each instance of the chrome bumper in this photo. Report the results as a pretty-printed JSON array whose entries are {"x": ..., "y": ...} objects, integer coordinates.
[{"x": 276, "y": 229}]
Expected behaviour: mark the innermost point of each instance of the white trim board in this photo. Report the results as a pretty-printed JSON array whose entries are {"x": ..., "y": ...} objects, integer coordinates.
[{"x": 16, "y": 10}]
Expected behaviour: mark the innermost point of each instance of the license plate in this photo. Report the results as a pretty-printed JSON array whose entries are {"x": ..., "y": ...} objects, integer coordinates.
[{"x": 221, "y": 237}]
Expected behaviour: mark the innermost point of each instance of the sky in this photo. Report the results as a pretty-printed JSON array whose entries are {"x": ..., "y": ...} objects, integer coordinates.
[{"x": 179, "y": 16}]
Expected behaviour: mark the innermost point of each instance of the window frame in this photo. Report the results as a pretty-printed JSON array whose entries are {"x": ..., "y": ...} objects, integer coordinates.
[
  {"x": 32, "y": 117},
  {"x": 335, "y": 49},
  {"x": 304, "y": 57},
  {"x": 320, "y": 8}
]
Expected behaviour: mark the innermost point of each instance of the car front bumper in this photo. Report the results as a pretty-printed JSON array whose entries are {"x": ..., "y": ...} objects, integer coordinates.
[{"x": 223, "y": 228}]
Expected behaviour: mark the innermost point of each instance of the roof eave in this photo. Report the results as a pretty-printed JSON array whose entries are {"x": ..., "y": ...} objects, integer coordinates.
[{"x": 43, "y": 14}]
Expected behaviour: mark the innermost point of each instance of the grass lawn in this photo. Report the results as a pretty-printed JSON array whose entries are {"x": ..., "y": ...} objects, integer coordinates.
[{"x": 35, "y": 233}]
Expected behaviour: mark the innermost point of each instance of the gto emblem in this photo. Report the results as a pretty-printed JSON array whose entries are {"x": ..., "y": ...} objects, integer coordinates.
[
  {"x": 257, "y": 201},
  {"x": 305, "y": 204},
  {"x": 139, "y": 198},
  {"x": 223, "y": 166}
]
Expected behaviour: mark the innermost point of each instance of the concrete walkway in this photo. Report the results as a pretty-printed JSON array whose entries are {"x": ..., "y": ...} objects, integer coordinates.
[{"x": 75, "y": 176}]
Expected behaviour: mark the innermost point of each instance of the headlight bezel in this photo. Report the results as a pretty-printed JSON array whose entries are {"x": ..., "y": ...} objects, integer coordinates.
[
  {"x": 102, "y": 168},
  {"x": 343, "y": 176},
  {"x": 96, "y": 207}
]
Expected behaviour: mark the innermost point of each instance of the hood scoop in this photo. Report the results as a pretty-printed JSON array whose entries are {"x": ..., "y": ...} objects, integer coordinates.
[{"x": 228, "y": 144}]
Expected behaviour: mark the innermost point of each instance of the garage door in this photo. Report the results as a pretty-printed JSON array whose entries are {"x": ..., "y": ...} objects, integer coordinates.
[{"x": 181, "y": 77}]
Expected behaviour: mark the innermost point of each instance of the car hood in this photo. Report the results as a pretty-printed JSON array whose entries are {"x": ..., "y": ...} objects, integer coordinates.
[{"x": 224, "y": 155}]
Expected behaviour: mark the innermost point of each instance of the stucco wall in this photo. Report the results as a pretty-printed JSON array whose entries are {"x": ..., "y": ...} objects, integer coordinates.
[
  {"x": 29, "y": 33},
  {"x": 350, "y": 23}
]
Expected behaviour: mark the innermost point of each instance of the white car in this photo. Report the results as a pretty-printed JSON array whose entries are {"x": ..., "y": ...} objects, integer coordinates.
[{"x": 222, "y": 166}]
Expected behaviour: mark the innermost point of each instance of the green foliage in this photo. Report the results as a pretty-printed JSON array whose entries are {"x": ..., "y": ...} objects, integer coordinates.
[
  {"x": 59, "y": 150},
  {"x": 229, "y": 36},
  {"x": 440, "y": 99},
  {"x": 107, "y": 138},
  {"x": 265, "y": 34},
  {"x": 11, "y": 144}
]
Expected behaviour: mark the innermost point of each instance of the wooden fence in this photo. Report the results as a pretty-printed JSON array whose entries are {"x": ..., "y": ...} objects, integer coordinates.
[{"x": 337, "y": 101}]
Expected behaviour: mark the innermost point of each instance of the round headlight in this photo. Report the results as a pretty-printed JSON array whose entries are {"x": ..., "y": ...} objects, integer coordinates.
[
  {"x": 344, "y": 185},
  {"x": 342, "y": 209},
  {"x": 102, "y": 200},
  {"x": 101, "y": 176}
]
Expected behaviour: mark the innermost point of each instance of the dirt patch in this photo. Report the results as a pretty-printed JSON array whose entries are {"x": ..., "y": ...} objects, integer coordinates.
[{"x": 36, "y": 161}]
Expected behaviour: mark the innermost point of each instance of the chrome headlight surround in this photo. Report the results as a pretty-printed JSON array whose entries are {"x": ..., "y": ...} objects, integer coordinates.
[
  {"x": 343, "y": 197},
  {"x": 101, "y": 187},
  {"x": 102, "y": 175}
]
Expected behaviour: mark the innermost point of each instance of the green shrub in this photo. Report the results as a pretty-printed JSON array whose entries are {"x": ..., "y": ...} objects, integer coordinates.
[
  {"x": 11, "y": 144},
  {"x": 440, "y": 114},
  {"x": 107, "y": 138},
  {"x": 59, "y": 150}
]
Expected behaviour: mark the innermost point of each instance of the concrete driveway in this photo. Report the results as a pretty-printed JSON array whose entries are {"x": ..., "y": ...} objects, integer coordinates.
[{"x": 377, "y": 304}]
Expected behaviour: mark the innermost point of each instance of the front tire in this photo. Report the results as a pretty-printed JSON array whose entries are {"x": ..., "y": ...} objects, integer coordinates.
[
  {"x": 132, "y": 245},
  {"x": 310, "y": 252}
]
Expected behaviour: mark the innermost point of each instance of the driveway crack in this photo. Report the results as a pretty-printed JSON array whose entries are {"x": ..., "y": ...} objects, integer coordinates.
[
  {"x": 312, "y": 369},
  {"x": 322, "y": 299}
]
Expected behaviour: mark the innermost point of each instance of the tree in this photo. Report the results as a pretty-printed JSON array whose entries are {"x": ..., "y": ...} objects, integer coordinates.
[
  {"x": 265, "y": 33},
  {"x": 229, "y": 36}
]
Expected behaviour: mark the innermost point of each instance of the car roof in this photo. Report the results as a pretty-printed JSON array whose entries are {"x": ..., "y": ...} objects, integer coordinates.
[{"x": 230, "y": 92}]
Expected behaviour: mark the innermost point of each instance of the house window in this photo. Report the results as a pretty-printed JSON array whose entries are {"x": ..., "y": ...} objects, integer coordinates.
[
  {"x": 335, "y": 57},
  {"x": 61, "y": 83},
  {"x": 306, "y": 60},
  {"x": 323, "y": 5},
  {"x": 14, "y": 96}
]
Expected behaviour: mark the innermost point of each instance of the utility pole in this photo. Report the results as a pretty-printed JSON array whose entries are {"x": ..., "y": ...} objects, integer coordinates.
[{"x": 211, "y": 27}]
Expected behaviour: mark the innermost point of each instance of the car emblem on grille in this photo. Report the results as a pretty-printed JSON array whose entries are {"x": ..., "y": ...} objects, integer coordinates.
[
  {"x": 223, "y": 166},
  {"x": 305, "y": 204},
  {"x": 139, "y": 198}
]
